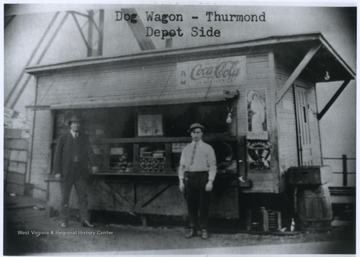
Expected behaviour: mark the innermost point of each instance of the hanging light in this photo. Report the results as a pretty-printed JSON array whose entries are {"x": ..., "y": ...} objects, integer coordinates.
[
  {"x": 228, "y": 118},
  {"x": 327, "y": 75}
]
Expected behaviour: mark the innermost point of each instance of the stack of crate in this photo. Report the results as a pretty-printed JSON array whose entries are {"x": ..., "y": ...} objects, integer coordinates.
[{"x": 16, "y": 144}]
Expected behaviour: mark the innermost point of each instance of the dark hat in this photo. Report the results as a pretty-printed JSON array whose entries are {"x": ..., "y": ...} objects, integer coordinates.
[
  {"x": 194, "y": 126},
  {"x": 74, "y": 118}
]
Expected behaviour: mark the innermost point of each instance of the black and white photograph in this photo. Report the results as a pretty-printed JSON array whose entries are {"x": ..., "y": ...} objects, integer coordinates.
[{"x": 195, "y": 128}]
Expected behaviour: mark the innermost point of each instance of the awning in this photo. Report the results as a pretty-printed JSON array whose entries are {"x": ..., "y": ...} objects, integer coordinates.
[{"x": 214, "y": 95}]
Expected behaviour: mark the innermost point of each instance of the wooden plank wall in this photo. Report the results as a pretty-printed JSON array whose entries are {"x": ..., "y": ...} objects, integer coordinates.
[
  {"x": 162, "y": 198},
  {"x": 286, "y": 124},
  {"x": 314, "y": 126},
  {"x": 136, "y": 83},
  {"x": 16, "y": 146},
  {"x": 123, "y": 86},
  {"x": 259, "y": 77},
  {"x": 288, "y": 152}
]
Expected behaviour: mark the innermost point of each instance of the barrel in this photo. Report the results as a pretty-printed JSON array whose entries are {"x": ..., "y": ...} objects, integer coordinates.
[{"x": 314, "y": 208}]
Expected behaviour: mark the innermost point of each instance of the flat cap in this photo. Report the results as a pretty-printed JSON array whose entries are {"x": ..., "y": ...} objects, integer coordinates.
[{"x": 194, "y": 126}]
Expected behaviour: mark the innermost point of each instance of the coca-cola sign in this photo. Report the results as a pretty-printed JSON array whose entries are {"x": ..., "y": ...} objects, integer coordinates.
[{"x": 221, "y": 71}]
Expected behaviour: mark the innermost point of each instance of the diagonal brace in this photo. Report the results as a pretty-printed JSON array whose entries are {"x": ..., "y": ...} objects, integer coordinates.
[
  {"x": 333, "y": 99},
  {"x": 80, "y": 30},
  {"x": 155, "y": 196},
  {"x": 307, "y": 58}
]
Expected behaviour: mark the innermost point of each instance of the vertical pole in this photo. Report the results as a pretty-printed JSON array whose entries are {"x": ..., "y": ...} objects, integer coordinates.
[
  {"x": 344, "y": 162},
  {"x": 101, "y": 33},
  {"x": 90, "y": 33}
]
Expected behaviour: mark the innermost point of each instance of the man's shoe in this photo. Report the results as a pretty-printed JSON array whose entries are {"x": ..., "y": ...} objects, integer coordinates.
[
  {"x": 191, "y": 233},
  {"x": 63, "y": 224},
  {"x": 87, "y": 224},
  {"x": 204, "y": 234}
]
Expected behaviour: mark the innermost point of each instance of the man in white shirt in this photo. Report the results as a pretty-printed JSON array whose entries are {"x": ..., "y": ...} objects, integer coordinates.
[{"x": 197, "y": 172}]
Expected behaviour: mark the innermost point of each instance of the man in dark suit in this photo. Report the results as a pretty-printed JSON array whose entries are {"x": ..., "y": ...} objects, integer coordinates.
[{"x": 73, "y": 156}]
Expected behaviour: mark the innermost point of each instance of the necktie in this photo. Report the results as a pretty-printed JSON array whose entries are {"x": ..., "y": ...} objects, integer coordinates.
[
  {"x": 76, "y": 134},
  {"x": 193, "y": 154}
]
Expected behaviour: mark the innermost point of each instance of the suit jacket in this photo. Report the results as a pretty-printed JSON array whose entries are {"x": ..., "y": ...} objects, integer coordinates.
[{"x": 65, "y": 154}]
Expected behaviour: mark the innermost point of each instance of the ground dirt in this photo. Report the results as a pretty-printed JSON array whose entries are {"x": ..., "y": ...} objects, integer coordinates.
[{"x": 27, "y": 230}]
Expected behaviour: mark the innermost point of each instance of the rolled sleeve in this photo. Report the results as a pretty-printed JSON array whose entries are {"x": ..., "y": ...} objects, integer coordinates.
[
  {"x": 212, "y": 163},
  {"x": 182, "y": 165}
]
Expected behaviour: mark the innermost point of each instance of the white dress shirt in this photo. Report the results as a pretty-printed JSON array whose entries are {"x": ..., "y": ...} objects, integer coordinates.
[{"x": 204, "y": 159}]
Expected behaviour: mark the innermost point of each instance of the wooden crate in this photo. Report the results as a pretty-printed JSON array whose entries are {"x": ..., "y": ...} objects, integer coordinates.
[{"x": 263, "y": 220}]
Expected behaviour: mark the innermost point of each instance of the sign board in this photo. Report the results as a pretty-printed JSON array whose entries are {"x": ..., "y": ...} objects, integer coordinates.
[{"x": 215, "y": 72}]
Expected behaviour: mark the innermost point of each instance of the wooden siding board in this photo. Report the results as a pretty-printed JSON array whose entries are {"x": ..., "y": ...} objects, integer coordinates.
[
  {"x": 16, "y": 144},
  {"x": 40, "y": 165},
  {"x": 15, "y": 188},
  {"x": 17, "y": 167},
  {"x": 152, "y": 82},
  {"x": 286, "y": 122},
  {"x": 264, "y": 182},
  {"x": 18, "y": 155},
  {"x": 15, "y": 178},
  {"x": 128, "y": 85},
  {"x": 259, "y": 76},
  {"x": 15, "y": 133}
]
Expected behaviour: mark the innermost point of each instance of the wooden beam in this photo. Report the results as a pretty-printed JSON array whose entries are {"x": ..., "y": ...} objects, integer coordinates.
[
  {"x": 155, "y": 196},
  {"x": 8, "y": 19},
  {"x": 111, "y": 191},
  {"x": 337, "y": 57},
  {"x": 138, "y": 29},
  {"x": 80, "y": 30},
  {"x": 52, "y": 38},
  {"x": 333, "y": 99},
  {"x": 307, "y": 58},
  {"x": 8, "y": 98},
  {"x": 101, "y": 32},
  {"x": 90, "y": 33},
  {"x": 165, "y": 54}
]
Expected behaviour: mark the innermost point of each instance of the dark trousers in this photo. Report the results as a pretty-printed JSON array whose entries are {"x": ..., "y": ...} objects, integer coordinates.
[
  {"x": 80, "y": 183},
  {"x": 197, "y": 198}
]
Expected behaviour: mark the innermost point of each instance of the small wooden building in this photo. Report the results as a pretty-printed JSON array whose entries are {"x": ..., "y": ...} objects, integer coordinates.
[{"x": 257, "y": 100}]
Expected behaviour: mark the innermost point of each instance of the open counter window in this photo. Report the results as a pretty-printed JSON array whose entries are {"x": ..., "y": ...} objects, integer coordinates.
[{"x": 149, "y": 139}]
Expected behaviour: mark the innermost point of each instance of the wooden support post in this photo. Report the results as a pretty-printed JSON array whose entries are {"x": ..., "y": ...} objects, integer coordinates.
[
  {"x": 265, "y": 219},
  {"x": 345, "y": 172},
  {"x": 278, "y": 220},
  {"x": 143, "y": 220},
  {"x": 307, "y": 58},
  {"x": 248, "y": 219},
  {"x": 167, "y": 167},
  {"x": 101, "y": 33},
  {"x": 90, "y": 33},
  {"x": 139, "y": 31}
]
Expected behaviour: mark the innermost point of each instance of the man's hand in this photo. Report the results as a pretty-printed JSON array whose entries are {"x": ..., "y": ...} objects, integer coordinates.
[
  {"x": 181, "y": 186},
  {"x": 94, "y": 169},
  {"x": 57, "y": 175},
  {"x": 209, "y": 186}
]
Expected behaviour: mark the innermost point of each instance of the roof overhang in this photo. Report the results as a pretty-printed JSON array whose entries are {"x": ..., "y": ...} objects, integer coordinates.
[{"x": 289, "y": 47}]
